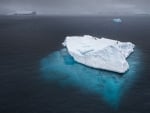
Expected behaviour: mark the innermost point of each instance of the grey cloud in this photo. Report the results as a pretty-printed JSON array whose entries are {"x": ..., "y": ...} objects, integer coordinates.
[{"x": 76, "y": 6}]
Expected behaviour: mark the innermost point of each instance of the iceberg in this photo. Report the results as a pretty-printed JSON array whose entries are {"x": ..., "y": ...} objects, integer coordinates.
[
  {"x": 99, "y": 53},
  {"x": 24, "y": 13},
  {"x": 117, "y": 20}
]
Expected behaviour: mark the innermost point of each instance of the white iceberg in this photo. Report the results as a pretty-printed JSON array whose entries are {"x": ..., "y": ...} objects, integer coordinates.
[
  {"x": 24, "y": 13},
  {"x": 100, "y": 53},
  {"x": 117, "y": 20}
]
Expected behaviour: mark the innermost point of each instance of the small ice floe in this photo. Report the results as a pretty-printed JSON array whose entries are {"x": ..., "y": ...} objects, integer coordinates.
[{"x": 117, "y": 20}]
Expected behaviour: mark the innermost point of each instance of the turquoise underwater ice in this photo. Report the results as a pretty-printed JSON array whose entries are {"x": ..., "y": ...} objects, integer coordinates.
[{"x": 60, "y": 67}]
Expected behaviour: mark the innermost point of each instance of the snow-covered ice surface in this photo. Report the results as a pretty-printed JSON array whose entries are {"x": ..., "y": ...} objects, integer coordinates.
[
  {"x": 100, "y": 53},
  {"x": 59, "y": 67}
]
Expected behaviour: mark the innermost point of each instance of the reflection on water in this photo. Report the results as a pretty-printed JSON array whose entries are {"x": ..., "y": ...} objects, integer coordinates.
[{"x": 61, "y": 68}]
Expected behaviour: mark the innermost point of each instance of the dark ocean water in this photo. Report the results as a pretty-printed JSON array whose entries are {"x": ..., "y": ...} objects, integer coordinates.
[{"x": 26, "y": 41}]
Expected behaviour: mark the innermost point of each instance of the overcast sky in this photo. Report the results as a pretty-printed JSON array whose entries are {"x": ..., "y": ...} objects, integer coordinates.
[{"x": 76, "y": 7}]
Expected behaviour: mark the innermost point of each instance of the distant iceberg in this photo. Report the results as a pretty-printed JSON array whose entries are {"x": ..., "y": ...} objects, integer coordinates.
[
  {"x": 117, "y": 20},
  {"x": 100, "y": 53},
  {"x": 24, "y": 13}
]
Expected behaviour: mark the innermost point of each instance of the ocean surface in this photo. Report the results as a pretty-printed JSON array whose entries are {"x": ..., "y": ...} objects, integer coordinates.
[{"x": 38, "y": 76}]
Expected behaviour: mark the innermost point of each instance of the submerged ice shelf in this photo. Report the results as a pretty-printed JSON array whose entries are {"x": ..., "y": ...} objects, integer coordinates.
[
  {"x": 60, "y": 68},
  {"x": 101, "y": 53}
]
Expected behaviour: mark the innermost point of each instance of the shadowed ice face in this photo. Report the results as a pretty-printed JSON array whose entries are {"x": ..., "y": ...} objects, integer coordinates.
[{"x": 61, "y": 68}]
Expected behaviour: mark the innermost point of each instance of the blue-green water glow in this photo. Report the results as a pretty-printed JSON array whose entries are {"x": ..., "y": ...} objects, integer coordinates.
[{"x": 60, "y": 67}]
